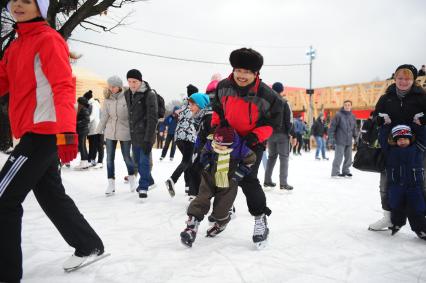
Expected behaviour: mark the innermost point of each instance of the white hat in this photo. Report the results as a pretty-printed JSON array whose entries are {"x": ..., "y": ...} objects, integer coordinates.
[{"x": 43, "y": 6}]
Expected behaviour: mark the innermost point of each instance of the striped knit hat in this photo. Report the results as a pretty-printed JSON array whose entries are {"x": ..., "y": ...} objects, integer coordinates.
[
  {"x": 224, "y": 135},
  {"x": 401, "y": 131}
]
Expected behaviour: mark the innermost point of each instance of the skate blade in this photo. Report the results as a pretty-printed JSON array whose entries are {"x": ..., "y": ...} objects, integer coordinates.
[
  {"x": 87, "y": 262},
  {"x": 378, "y": 230},
  {"x": 261, "y": 245},
  {"x": 185, "y": 240}
]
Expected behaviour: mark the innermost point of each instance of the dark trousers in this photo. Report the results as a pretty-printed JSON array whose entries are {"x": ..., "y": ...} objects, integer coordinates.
[
  {"x": 195, "y": 177},
  {"x": 34, "y": 165},
  {"x": 169, "y": 139},
  {"x": 82, "y": 147},
  {"x": 186, "y": 148},
  {"x": 96, "y": 147},
  {"x": 111, "y": 146},
  {"x": 299, "y": 145},
  {"x": 255, "y": 196},
  {"x": 160, "y": 140}
]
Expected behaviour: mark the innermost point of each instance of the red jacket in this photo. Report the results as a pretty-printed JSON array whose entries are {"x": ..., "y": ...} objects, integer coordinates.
[
  {"x": 35, "y": 70},
  {"x": 254, "y": 109}
]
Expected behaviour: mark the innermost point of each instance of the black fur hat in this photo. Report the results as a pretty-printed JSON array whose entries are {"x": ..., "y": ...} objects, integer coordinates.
[
  {"x": 88, "y": 95},
  {"x": 83, "y": 101},
  {"x": 246, "y": 58},
  {"x": 409, "y": 67}
]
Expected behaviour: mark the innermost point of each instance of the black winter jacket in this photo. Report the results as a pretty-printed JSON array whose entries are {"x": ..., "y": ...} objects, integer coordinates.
[
  {"x": 402, "y": 111},
  {"x": 83, "y": 120},
  {"x": 143, "y": 114},
  {"x": 318, "y": 128}
]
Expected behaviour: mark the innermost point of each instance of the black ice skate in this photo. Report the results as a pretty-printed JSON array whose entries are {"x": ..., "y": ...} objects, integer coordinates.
[
  {"x": 395, "y": 229},
  {"x": 187, "y": 237},
  {"x": 170, "y": 185},
  {"x": 421, "y": 235},
  {"x": 261, "y": 231},
  {"x": 215, "y": 229}
]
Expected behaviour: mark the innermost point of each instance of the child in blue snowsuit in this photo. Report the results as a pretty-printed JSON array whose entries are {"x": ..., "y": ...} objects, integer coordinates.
[{"x": 404, "y": 150}]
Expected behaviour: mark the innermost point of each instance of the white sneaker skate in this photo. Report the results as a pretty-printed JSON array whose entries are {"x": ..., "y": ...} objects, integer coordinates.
[{"x": 382, "y": 224}]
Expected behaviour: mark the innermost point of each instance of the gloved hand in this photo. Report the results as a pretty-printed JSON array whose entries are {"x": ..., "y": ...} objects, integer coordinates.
[
  {"x": 251, "y": 140},
  {"x": 146, "y": 147},
  {"x": 241, "y": 172},
  {"x": 384, "y": 118},
  {"x": 205, "y": 160},
  {"x": 67, "y": 144},
  {"x": 419, "y": 118}
]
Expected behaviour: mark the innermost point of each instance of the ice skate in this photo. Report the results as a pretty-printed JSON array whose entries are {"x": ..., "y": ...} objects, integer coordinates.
[
  {"x": 77, "y": 261},
  {"x": 84, "y": 165},
  {"x": 111, "y": 188},
  {"x": 187, "y": 237},
  {"x": 170, "y": 185},
  {"x": 395, "y": 229},
  {"x": 143, "y": 193},
  {"x": 261, "y": 231},
  {"x": 215, "y": 229},
  {"x": 132, "y": 183},
  {"x": 383, "y": 223},
  {"x": 98, "y": 166}
]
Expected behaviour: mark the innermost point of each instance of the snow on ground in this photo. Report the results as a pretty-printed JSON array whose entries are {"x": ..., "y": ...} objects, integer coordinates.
[{"x": 318, "y": 233}]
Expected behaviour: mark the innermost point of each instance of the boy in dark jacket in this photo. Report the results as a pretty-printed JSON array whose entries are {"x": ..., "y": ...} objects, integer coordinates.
[
  {"x": 405, "y": 176},
  {"x": 226, "y": 161}
]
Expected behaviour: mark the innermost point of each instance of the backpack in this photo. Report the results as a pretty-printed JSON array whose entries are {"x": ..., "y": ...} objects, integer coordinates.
[{"x": 161, "y": 105}]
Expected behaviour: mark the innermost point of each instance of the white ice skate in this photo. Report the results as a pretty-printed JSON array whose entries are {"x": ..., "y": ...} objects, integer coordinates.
[
  {"x": 261, "y": 231},
  {"x": 74, "y": 262},
  {"x": 382, "y": 224},
  {"x": 111, "y": 188},
  {"x": 84, "y": 165},
  {"x": 132, "y": 183}
]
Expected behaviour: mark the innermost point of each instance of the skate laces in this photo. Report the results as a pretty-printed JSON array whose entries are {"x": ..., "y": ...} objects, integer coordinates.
[{"x": 259, "y": 225}]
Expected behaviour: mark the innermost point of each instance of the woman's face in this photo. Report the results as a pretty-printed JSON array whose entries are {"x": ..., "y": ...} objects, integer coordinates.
[
  {"x": 24, "y": 10},
  {"x": 194, "y": 108},
  {"x": 113, "y": 89},
  {"x": 403, "y": 81}
]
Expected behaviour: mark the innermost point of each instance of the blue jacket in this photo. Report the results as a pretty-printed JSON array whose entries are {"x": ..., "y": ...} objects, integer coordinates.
[
  {"x": 299, "y": 126},
  {"x": 170, "y": 122},
  {"x": 404, "y": 166}
]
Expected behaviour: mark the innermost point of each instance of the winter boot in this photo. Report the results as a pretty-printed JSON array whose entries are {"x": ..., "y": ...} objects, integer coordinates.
[
  {"x": 382, "y": 224},
  {"x": 215, "y": 229},
  {"x": 187, "y": 237},
  {"x": 132, "y": 183},
  {"x": 84, "y": 165},
  {"x": 111, "y": 188},
  {"x": 170, "y": 185},
  {"x": 261, "y": 230}
]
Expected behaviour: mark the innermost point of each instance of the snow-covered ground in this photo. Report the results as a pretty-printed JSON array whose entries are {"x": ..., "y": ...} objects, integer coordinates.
[{"x": 318, "y": 233}]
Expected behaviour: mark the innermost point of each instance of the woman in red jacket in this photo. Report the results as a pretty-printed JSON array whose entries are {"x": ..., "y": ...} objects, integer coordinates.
[{"x": 35, "y": 70}]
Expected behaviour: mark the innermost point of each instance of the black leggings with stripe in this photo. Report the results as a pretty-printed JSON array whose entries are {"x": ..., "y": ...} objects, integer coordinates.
[{"x": 34, "y": 165}]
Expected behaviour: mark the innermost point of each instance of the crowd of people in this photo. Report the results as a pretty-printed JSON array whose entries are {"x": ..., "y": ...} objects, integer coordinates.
[{"x": 222, "y": 134}]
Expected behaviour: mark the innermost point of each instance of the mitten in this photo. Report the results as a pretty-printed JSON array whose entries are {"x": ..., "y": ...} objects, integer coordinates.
[
  {"x": 67, "y": 144},
  {"x": 384, "y": 119},
  {"x": 241, "y": 172}
]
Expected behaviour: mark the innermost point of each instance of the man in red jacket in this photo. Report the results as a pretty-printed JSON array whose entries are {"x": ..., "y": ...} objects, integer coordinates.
[
  {"x": 35, "y": 70},
  {"x": 253, "y": 109}
]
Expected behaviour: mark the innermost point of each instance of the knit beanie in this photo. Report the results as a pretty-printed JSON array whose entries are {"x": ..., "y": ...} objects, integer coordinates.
[
  {"x": 246, "y": 58},
  {"x": 190, "y": 89},
  {"x": 224, "y": 135},
  {"x": 43, "y": 7},
  {"x": 211, "y": 87},
  {"x": 401, "y": 131},
  {"x": 278, "y": 87},
  {"x": 88, "y": 95},
  {"x": 115, "y": 81},
  {"x": 409, "y": 67},
  {"x": 201, "y": 99},
  {"x": 134, "y": 74}
]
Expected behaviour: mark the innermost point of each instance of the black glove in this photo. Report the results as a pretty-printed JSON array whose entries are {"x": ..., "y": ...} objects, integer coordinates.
[
  {"x": 241, "y": 172},
  {"x": 251, "y": 140},
  {"x": 146, "y": 147},
  {"x": 205, "y": 160}
]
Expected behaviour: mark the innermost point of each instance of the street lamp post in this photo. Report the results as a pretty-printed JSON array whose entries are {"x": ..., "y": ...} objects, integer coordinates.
[{"x": 311, "y": 53}]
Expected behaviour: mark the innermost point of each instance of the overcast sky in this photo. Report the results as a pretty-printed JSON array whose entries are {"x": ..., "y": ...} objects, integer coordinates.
[{"x": 356, "y": 41}]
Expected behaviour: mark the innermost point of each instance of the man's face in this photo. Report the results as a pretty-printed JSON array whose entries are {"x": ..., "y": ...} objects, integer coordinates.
[
  {"x": 24, "y": 10},
  {"x": 134, "y": 84},
  {"x": 347, "y": 106},
  {"x": 244, "y": 77}
]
